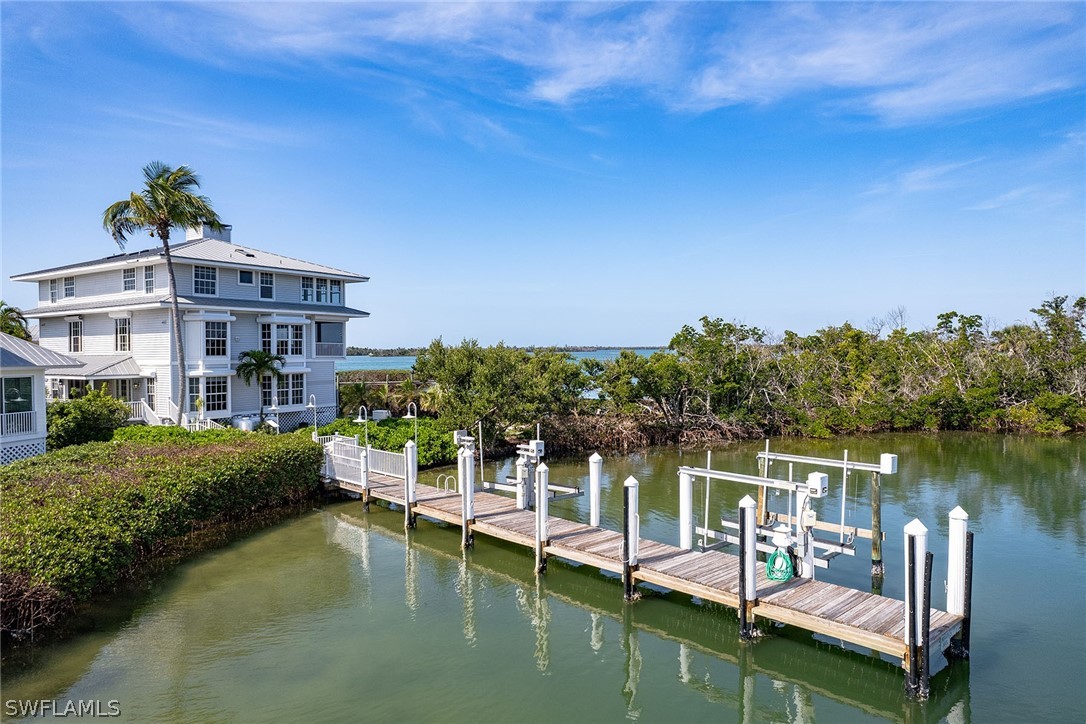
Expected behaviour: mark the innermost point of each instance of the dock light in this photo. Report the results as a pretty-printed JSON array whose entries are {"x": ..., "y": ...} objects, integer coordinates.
[
  {"x": 415, "y": 417},
  {"x": 312, "y": 405},
  {"x": 360, "y": 420}
]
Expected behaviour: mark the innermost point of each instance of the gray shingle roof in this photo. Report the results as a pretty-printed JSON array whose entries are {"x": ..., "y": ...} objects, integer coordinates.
[
  {"x": 211, "y": 251},
  {"x": 15, "y": 352}
]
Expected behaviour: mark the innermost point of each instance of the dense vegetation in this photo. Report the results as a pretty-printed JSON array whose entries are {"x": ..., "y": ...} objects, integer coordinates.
[
  {"x": 92, "y": 417},
  {"x": 730, "y": 380},
  {"x": 435, "y": 443},
  {"x": 80, "y": 519}
]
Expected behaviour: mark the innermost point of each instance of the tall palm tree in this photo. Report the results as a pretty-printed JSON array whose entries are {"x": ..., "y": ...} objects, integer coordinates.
[
  {"x": 167, "y": 201},
  {"x": 256, "y": 363},
  {"x": 13, "y": 322}
]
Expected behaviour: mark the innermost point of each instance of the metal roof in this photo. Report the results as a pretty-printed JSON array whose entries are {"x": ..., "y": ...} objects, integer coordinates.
[
  {"x": 102, "y": 366},
  {"x": 260, "y": 305},
  {"x": 15, "y": 352},
  {"x": 208, "y": 250}
]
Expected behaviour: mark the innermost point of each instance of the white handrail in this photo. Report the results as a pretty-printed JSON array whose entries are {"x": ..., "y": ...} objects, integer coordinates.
[{"x": 16, "y": 423}]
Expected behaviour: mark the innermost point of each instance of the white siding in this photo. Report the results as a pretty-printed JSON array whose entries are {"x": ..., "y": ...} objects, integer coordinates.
[
  {"x": 99, "y": 287},
  {"x": 322, "y": 382}
]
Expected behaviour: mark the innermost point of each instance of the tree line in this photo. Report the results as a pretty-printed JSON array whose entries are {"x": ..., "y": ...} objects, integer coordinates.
[{"x": 730, "y": 380}]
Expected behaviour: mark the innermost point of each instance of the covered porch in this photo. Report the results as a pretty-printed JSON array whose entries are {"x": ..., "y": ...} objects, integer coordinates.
[{"x": 119, "y": 375}]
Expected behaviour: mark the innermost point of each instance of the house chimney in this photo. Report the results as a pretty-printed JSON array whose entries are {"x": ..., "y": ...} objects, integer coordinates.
[{"x": 203, "y": 231}]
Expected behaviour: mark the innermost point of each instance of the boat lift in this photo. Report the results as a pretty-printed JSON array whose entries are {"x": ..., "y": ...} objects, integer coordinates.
[{"x": 529, "y": 455}]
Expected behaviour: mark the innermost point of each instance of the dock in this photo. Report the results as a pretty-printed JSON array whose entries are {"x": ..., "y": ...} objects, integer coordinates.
[{"x": 858, "y": 617}]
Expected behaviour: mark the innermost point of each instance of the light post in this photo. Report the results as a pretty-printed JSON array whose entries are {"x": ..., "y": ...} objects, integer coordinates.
[
  {"x": 273, "y": 411},
  {"x": 411, "y": 405},
  {"x": 360, "y": 420},
  {"x": 312, "y": 405}
]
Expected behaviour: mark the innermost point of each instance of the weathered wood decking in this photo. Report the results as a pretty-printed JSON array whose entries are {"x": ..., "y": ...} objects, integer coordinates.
[{"x": 857, "y": 617}]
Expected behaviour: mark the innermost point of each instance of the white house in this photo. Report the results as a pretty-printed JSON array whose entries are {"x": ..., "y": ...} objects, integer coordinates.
[
  {"x": 113, "y": 315},
  {"x": 22, "y": 396}
]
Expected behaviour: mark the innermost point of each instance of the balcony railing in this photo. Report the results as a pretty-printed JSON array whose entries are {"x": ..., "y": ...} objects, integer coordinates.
[
  {"x": 330, "y": 349},
  {"x": 16, "y": 423}
]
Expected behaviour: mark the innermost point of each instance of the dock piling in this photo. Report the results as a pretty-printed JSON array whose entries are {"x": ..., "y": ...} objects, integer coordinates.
[
  {"x": 542, "y": 480},
  {"x": 465, "y": 481},
  {"x": 916, "y": 552},
  {"x": 748, "y": 565},
  {"x": 631, "y": 532},
  {"x": 686, "y": 511},
  {"x": 595, "y": 474},
  {"x": 411, "y": 476},
  {"x": 364, "y": 476}
]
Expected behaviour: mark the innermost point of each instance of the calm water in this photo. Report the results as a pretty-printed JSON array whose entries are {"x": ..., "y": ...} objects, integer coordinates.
[
  {"x": 407, "y": 362},
  {"x": 340, "y": 616}
]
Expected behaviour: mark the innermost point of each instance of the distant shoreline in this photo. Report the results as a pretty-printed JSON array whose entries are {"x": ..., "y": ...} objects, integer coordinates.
[{"x": 414, "y": 351}]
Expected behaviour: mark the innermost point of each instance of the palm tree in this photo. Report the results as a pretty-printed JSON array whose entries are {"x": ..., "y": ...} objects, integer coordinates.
[
  {"x": 256, "y": 363},
  {"x": 166, "y": 201},
  {"x": 13, "y": 322}
]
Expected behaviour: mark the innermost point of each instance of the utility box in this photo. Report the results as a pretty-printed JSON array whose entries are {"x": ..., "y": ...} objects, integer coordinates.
[
  {"x": 818, "y": 484},
  {"x": 461, "y": 437},
  {"x": 887, "y": 464}
]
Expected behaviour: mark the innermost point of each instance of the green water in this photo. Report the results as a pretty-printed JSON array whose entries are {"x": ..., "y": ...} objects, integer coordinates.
[{"x": 341, "y": 616}]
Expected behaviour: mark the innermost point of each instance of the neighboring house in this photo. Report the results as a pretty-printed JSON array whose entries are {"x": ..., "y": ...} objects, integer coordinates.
[
  {"x": 113, "y": 315},
  {"x": 22, "y": 396}
]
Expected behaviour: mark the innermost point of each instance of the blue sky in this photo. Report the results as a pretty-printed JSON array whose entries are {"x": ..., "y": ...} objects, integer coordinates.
[{"x": 575, "y": 173}]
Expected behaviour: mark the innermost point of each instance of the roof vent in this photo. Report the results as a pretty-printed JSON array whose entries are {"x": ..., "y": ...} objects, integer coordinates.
[{"x": 203, "y": 231}]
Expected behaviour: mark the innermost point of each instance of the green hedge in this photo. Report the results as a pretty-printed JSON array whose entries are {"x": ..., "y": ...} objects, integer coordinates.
[
  {"x": 435, "y": 440},
  {"x": 76, "y": 520}
]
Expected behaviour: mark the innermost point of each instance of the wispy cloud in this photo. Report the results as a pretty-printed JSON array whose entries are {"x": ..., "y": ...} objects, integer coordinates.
[
  {"x": 1032, "y": 197},
  {"x": 898, "y": 63},
  {"x": 925, "y": 177},
  {"x": 215, "y": 130}
]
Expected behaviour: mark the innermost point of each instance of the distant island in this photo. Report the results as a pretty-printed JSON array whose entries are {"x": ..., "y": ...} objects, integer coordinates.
[{"x": 414, "y": 351}]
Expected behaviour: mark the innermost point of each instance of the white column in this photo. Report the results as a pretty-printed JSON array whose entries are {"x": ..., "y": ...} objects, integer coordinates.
[
  {"x": 686, "y": 511},
  {"x": 634, "y": 518},
  {"x": 748, "y": 507},
  {"x": 469, "y": 484},
  {"x": 916, "y": 533},
  {"x": 803, "y": 536},
  {"x": 955, "y": 580},
  {"x": 595, "y": 474},
  {"x": 411, "y": 459},
  {"x": 542, "y": 475},
  {"x": 364, "y": 465},
  {"x": 522, "y": 493}
]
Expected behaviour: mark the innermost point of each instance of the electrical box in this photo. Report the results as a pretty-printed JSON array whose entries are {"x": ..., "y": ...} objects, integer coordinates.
[
  {"x": 818, "y": 484},
  {"x": 887, "y": 464},
  {"x": 461, "y": 437},
  {"x": 808, "y": 519},
  {"x": 532, "y": 448}
]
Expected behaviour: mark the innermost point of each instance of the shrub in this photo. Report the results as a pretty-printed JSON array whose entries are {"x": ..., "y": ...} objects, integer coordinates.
[
  {"x": 435, "y": 440},
  {"x": 76, "y": 520},
  {"x": 93, "y": 417}
]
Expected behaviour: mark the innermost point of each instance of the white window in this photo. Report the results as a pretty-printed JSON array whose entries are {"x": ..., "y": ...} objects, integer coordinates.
[
  {"x": 204, "y": 280},
  {"x": 215, "y": 397},
  {"x": 194, "y": 392},
  {"x": 322, "y": 291},
  {"x": 284, "y": 339},
  {"x": 290, "y": 390},
  {"x": 69, "y": 287},
  {"x": 128, "y": 280},
  {"x": 245, "y": 277},
  {"x": 18, "y": 397},
  {"x": 267, "y": 390},
  {"x": 335, "y": 291},
  {"x": 148, "y": 280},
  {"x": 307, "y": 289},
  {"x": 75, "y": 336},
  {"x": 122, "y": 335},
  {"x": 215, "y": 339},
  {"x": 123, "y": 390},
  {"x": 296, "y": 384},
  {"x": 54, "y": 294},
  {"x": 151, "y": 393},
  {"x": 267, "y": 285}
]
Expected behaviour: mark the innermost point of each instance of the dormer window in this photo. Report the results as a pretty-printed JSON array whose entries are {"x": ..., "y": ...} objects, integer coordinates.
[
  {"x": 205, "y": 280},
  {"x": 128, "y": 280},
  {"x": 267, "y": 285}
]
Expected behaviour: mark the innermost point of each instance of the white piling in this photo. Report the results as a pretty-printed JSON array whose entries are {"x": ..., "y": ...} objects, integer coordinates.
[
  {"x": 631, "y": 532},
  {"x": 748, "y": 508},
  {"x": 411, "y": 476},
  {"x": 542, "y": 480},
  {"x": 916, "y": 534},
  {"x": 364, "y": 467},
  {"x": 595, "y": 474},
  {"x": 469, "y": 486},
  {"x": 635, "y": 519},
  {"x": 955, "y": 582},
  {"x": 522, "y": 483},
  {"x": 686, "y": 511}
]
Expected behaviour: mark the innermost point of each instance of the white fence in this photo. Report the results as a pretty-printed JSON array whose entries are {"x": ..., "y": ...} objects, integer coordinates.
[
  {"x": 343, "y": 459},
  {"x": 140, "y": 410},
  {"x": 388, "y": 463}
]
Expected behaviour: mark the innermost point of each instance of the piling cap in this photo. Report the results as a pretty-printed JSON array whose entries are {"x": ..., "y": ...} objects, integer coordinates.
[
  {"x": 595, "y": 458},
  {"x": 915, "y": 527},
  {"x": 782, "y": 536},
  {"x": 542, "y": 468},
  {"x": 747, "y": 502},
  {"x": 464, "y": 452},
  {"x": 959, "y": 513},
  {"x": 410, "y": 443},
  {"x": 631, "y": 482}
]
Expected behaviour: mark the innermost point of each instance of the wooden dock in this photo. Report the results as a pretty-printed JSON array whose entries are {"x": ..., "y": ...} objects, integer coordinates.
[{"x": 857, "y": 617}]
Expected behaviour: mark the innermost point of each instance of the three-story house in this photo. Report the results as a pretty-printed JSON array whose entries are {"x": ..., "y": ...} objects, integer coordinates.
[{"x": 113, "y": 316}]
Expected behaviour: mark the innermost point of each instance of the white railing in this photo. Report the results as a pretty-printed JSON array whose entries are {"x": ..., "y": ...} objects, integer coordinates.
[
  {"x": 330, "y": 349},
  {"x": 198, "y": 425},
  {"x": 16, "y": 423},
  {"x": 388, "y": 463},
  {"x": 176, "y": 414},
  {"x": 140, "y": 410}
]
